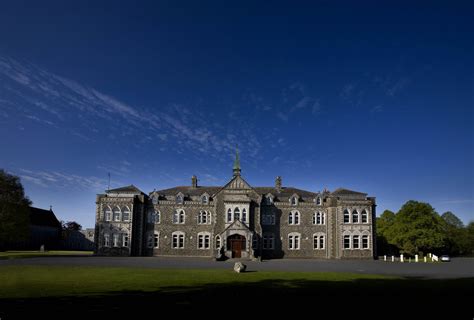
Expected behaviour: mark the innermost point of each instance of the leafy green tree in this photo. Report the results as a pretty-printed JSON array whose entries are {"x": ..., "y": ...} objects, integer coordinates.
[
  {"x": 14, "y": 210},
  {"x": 417, "y": 228},
  {"x": 456, "y": 234},
  {"x": 470, "y": 238},
  {"x": 383, "y": 225}
]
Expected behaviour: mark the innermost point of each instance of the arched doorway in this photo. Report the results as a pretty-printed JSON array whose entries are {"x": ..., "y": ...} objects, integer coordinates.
[{"x": 236, "y": 243}]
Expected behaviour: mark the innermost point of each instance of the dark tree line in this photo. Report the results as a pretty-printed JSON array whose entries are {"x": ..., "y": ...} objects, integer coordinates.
[{"x": 418, "y": 229}]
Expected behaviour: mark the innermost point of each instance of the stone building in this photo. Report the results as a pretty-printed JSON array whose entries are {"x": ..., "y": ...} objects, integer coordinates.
[{"x": 235, "y": 221}]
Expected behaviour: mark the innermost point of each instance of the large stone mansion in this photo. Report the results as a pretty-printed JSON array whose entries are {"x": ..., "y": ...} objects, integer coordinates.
[{"x": 236, "y": 221}]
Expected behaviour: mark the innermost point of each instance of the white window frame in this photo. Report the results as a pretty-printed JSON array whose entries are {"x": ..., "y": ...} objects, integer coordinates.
[
  {"x": 115, "y": 240},
  {"x": 349, "y": 242},
  {"x": 294, "y": 218},
  {"x": 244, "y": 216},
  {"x": 365, "y": 236},
  {"x": 180, "y": 240},
  {"x": 294, "y": 241},
  {"x": 346, "y": 214},
  {"x": 236, "y": 211},
  {"x": 229, "y": 215},
  {"x": 354, "y": 237},
  {"x": 125, "y": 239},
  {"x": 202, "y": 237},
  {"x": 108, "y": 213},
  {"x": 156, "y": 240},
  {"x": 204, "y": 217},
  {"x": 294, "y": 200},
  {"x": 318, "y": 201},
  {"x": 126, "y": 210},
  {"x": 218, "y": 242},
  {"x": 364, "y": 214},
  {"x": 355, "y": 215},
  {"x": 179, "y": 216},
  {"x": 106, "y": 240},
  {"x": 180, "y": 198},
  {"x": 116, "y": 218}
]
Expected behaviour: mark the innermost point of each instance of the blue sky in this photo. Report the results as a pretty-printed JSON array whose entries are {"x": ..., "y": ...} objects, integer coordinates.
[{"x": 372, "y": 97}]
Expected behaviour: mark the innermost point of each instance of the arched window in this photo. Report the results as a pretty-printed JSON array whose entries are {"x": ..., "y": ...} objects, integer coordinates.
[
  {"x": 179, "y": 216},
  {"x": 318, "y": 241},
  {"x": 294, "y": 217},
  {"x": 355, "y": 216},
  {"x": 321, "y": 242},
  {"x": 205, "y": 199},
  {"x": 116, "y": 239},
  {"x": 116, "y": 214},
  {"x": 346, "y": 216},
  {"x": 204, "y": 240},
  {"x": 294, "y": 240},
  {"x": 218, "y": 242},
  {"x": 244, "y": 215},
  {"x": 107, "y": 213},
  {"x": 204, "y": 217},
  {"x": 180, "y": 198},
  {"x": 364, "y": 217},
  {"x": 177, "y": 240},
  {"x": 236, "y": 214},
  {"x": 318, "y": 201},
  {"x": 125, "y": 214},
  {"x": 229, "y": 215},
  {"x": 294, "y": 201},
  {"x": 268, "y": 241},
  {"x": 268, "y": 200},
  {"x": 323, "y": 218}
]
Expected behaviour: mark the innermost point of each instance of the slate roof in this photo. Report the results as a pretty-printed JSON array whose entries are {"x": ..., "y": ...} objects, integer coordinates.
[
  {"x": 342, "y": 191},
  {"x": 42, "y": 217},
  {"x": 189, "y": 191},
  {"x": 127, "y": 189}
]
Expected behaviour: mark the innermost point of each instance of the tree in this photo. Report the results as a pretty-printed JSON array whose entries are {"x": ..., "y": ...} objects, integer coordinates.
[
  {"x": 456, "y": 234},
  {"x": 71, "y": 225},
  {"x": 383, "y": 225},
  {"x": 417, "y": 228},
  {"x": 470, "y": 238},
  {"x": 14, "y": 210}
]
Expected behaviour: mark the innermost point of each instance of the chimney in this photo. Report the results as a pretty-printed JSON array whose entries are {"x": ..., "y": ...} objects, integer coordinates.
[
  {"x": 50, "y": 208},
  {"x": 194, "y": 181},
  {"x": 278, "y": 183}
]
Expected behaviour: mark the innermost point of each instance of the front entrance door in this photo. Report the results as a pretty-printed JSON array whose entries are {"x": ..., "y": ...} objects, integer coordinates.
[{"x": 236, "y": 243}]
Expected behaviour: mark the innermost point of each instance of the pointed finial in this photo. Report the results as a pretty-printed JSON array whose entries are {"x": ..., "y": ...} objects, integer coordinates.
[{"x": 236, "y": 168}]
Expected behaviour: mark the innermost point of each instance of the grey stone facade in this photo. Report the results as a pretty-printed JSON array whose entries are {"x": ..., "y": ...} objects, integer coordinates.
[{"x": 236, "y": 221}]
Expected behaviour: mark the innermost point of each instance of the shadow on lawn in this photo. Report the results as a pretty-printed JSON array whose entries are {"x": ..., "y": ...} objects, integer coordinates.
[{"x": 365, "y": 297}]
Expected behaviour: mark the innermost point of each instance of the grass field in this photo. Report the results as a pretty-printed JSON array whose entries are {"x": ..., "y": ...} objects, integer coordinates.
[
  {"x": 107, "y": 291},
  {"x": 33, "y": 254}
]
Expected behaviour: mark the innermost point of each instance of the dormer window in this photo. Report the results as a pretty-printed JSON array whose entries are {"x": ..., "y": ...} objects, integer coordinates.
[
  {"x": 154, "y": 199},
  {"x": 205, "y": 199},
  {"x": 180, "y": 198},
  {"x": 294, "y": 200},
  {"x": 268, "y": 199},
  {"x": 318, "y": 201}
]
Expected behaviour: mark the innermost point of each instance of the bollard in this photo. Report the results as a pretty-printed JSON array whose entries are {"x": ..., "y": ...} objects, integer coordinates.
[
  {"x": 401, "y": 258},
  {"x": 393, "y": 259},
  {"x": 409, "y": 260},
  {"x": 416, "y": 258},
  {"x": 384, "y": 258},
  {"x": 425, "y": 258}
]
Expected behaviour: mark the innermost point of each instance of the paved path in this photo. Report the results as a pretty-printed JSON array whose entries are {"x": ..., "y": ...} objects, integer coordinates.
[{"x": 457, "y": 268}]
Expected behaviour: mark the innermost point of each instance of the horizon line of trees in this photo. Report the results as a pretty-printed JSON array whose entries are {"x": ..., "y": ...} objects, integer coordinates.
[{"x": 418, "y": 229}]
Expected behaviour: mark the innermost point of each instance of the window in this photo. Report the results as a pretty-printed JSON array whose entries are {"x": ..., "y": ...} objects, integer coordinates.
[
  {"x": 116, "y": 214},
  {"x": 236, "y": 214},
  {"x": 268, "y": 241},
  {"x": 150, "y": 240},
  {"x": 355, "y": 242},
  {"x": 204, "y": 217},
  {"x": 156, "y": 240},
  {"x": 154, "y": 216},
  {"x": 268, "y": 219},
  {"x": 318, "y": 201},
  {"x": 125, "y": 240},
  {"x": 204, "y": 239},
  {"x": 244, "y": 215},
  {"x": 318, "y": 241},
  {"x": 229, "y": 215},
  {"x": 347, "y": 242},
  {"x": 116, "y": 239},
  {"x": 154, "y": 199},
  {"x": 108, "y": 214},
  {"x": 294, "y": 217},
  {"x": 106, "y": 240},
  {"x": 294, "y": 241},
  {"x": 294, "y": 201},
  {"x": 125, "y": 214},
  {"x": 318, "y": 218},
  {"x": 268, "y": 200},
  {"x": 178, "y": 240},
  {"x": 355, "y": 217},
  {"x": 205, "y": 199},
  {"x": 218, "y": 242},
  {"x": 180, "y": 198},
  {"x": 346, "y": 216},
  {"x": 178, "y": 216},
  {"x": 254, "y": 242},
  {"x": 364, "y": 217},
  {"x": 365, "y": 241}
]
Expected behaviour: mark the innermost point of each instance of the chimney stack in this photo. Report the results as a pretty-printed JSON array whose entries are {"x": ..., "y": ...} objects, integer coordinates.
[
  {"x": 194, "y": 181},
  {"x": 278, "y": 183}
]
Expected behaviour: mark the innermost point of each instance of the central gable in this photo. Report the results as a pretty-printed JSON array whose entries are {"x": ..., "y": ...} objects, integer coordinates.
[{"x": 237, "y": 183}]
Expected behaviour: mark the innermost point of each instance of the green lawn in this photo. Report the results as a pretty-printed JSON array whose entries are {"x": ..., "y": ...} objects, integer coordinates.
[{"x": 33, "y": 254}]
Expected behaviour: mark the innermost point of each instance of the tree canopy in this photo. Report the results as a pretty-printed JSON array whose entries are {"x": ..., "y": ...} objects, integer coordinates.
[{"x": 14, "y": 210}]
